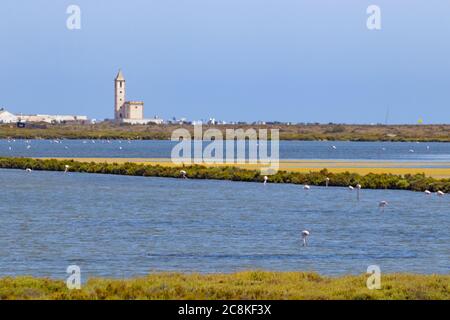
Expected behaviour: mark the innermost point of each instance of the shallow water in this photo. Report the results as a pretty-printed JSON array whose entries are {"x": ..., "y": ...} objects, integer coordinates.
[
  {"x": 398, "y": 151},
  {"x": 123, "y": 226}
]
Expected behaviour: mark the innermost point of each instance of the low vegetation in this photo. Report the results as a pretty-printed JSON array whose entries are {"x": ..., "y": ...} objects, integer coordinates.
[
  {"x": 251, "y": 285},
  {"x": 416, "y": 182},
  {"x": 108, "y": 130}
]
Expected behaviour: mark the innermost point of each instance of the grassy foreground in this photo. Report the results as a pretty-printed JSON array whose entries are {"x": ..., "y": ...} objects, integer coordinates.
[
  {"x": 243, "y": 285},
  {"x": 414, "y": 182}
]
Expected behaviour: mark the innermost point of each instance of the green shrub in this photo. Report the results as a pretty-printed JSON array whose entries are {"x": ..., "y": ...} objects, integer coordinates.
[{"x": 417, "y": 182}]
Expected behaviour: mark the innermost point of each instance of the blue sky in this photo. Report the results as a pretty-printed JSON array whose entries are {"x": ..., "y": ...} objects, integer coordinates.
[{"x": 286, "y": 60}]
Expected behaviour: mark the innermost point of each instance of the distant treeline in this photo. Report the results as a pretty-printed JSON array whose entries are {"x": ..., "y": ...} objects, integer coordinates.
[
  {"x": 416, "y": 182},
  {"x": 342, "y": 132}
]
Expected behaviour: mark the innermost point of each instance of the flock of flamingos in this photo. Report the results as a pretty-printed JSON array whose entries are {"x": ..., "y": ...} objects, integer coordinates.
[{"x": 304, "y": 234}]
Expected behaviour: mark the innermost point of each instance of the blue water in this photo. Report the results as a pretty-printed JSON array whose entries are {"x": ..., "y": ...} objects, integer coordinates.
[
  {"x": 398, "y": 151},
  {"x": 123, "y": 226}
]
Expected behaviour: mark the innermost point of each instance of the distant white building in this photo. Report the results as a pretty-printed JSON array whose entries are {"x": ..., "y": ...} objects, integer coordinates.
[
  {"x": 51, "y": 118},
  {"x": 7, "y": 117},
  {"x": 143, "y": 121}
]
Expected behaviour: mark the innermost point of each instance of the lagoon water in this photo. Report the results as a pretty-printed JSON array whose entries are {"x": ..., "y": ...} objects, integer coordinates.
[
  {"x": 123, "y": 226},
  {"x": 396, "y": 151}
]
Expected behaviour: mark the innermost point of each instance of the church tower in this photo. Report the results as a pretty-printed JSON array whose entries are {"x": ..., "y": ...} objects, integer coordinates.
[{"x": 119, "y": 96}]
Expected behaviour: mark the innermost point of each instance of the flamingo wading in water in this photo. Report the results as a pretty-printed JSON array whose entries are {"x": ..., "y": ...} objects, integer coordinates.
[
  {"x": 305, "y": 234},
  {"x": 382, "y": 205}
]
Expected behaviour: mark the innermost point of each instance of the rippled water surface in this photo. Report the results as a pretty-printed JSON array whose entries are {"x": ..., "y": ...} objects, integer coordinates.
[
  {"x": 399, "y": 151},
  {"x": 122, "y": 226}
]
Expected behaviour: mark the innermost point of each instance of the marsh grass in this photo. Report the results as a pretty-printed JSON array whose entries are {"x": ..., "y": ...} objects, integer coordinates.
[
  {"x": 414, "y": 182},
  {"x": 251, "y": 285},
  {"x": 303, "y": 166}
]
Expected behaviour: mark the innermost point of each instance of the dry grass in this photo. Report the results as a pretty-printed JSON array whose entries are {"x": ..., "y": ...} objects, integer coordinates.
[{"x": 242, "y": 285}]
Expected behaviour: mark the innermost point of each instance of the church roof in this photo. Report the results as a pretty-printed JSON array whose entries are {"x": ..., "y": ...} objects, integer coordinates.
[{"x": 120, "y": 75}]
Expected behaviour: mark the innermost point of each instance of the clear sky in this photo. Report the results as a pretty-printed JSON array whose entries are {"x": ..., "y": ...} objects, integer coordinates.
[{"x": 286, "y": 60}]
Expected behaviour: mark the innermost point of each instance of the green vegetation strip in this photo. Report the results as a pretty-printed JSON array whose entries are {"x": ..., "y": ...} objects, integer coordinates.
[
  {"x": 342, "y": 132},
  {"x": 243, "y": 285},
  {"x": 416, "y": 182}
]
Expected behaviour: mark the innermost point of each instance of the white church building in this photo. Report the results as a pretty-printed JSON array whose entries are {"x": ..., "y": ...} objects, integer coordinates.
[{"x": 131, "y": 112}]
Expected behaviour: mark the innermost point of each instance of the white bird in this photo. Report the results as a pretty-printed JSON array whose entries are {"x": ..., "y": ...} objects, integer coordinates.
[
  {"x": 265, "y": 179},
  {"x": 120, "y": 148},
  {"x": 327, "y": 180},
  {"x": 28, "y": 146},
  {"x": 440, "y": 193},
  {"x": 350, "y": 187},
  {"x": 305, "y": 234},
  {"x": 334, "y": 147},
  {"x": 358, "y": 187},
  {"x": 28, "y": 170},
  {"x": 66, "y": 168},
  {"x": 427, "y": 192},
  {"x": 183, "y": 174},
  {"x": 382, "y": 204},
  {"x": 411, "y": 150},
  {"x": 306, "y": 187}
]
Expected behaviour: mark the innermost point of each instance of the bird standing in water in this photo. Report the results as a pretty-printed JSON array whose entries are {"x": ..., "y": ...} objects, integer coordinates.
[
  {"x": 305, "y": 234},
  {"x": 382, "y": 204}
]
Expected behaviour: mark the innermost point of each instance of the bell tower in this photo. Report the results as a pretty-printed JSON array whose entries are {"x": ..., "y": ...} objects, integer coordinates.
[{"x": 119, "y": 96}]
